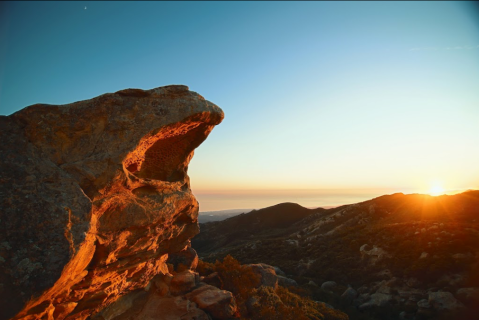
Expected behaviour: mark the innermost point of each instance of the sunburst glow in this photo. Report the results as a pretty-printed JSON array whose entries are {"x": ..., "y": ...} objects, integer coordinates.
[{"x": 436, "y": 189}]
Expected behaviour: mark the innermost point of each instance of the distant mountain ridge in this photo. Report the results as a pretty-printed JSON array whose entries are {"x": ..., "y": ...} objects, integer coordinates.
[
  {"x": 218, "y": 215},
  {"x": 279, "y": 216}
]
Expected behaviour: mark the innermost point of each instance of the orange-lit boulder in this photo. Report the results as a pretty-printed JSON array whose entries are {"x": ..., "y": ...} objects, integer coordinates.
[
  {"x": 183, "y": 282},
  {"x": 186, "y": 259},
  {"x": 220, "y": 304},
  {"x": 94, "y": 195}
]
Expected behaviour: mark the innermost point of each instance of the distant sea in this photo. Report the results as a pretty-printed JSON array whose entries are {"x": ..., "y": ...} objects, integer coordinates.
[{"x": 257, "y": 199}]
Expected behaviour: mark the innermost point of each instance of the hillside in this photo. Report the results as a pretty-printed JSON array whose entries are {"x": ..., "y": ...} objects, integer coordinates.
[
  {"x": 267, "y": 222},
  {"x": 398, "y": 252}
]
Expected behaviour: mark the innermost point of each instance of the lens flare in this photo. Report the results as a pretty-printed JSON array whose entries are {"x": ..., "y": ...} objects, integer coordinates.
[{"x": 436, "y": 189}]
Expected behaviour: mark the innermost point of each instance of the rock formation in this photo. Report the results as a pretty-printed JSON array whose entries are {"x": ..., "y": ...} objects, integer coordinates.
[{"x": 94, "y": 196}]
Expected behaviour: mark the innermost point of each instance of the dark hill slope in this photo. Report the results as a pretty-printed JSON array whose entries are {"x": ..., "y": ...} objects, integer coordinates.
[{"x": 268, "y": 222}]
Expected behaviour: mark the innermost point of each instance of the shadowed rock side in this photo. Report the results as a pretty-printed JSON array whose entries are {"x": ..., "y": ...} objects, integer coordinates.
[{"x": 94, "y": 195}]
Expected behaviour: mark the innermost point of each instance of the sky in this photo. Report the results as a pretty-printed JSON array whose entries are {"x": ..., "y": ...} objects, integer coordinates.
[{"x": 325, "y": 103}]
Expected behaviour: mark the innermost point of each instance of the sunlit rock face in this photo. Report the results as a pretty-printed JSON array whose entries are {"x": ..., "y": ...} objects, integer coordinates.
[{"x": 94, "y": 195}]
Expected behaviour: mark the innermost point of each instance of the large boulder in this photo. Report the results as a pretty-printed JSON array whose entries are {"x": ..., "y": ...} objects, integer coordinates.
[
  {"x": 279, "y": 272},
  {"x": 94, "y": 196},
  {"x": 183, "y": 282},
  {"x": 349, "y": 295},
  {"x": 152, "y": 306},
  {"x": 450, "y": 280},
  {"x": 376, "y": 300},
  {"x": 444, "y": 301},
  {"x": 186, "y": 259},
  {"x": 470, "y": 296},
  {"x": 220, "y": 304},
  {"x": 214, "y": 280},
  {"x": 373, "y": 254},
  {"x": 266, "y": 273},
  {"x": 287, "y": 282},
  {"x": 328, "y": 286}
]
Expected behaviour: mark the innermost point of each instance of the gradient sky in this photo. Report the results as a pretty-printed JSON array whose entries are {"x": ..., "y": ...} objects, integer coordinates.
[{"x": 321, "y": 97}]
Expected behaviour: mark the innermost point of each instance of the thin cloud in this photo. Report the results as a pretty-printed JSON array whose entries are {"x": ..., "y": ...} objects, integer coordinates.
[{"x": 444, "y": 48}]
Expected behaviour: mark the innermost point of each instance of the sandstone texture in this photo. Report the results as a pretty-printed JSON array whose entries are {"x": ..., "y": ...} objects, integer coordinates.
[
  {"x": 219, "y": 303},
  {"x": 197, "y": 302},
  {"x": 94, "y": 196}
]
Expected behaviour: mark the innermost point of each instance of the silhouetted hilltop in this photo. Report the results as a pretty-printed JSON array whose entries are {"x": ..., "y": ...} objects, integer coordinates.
[
  {"x": 282, "y": 215},
  {"x": 233, "y": 230}
]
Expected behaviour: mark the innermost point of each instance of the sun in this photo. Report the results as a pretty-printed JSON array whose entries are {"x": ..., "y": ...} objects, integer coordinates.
[{"x": 436, "y": 189}]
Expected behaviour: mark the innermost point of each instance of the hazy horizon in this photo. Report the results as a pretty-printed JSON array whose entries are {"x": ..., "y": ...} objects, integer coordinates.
[
  {"x": 222, "y": 200},
  {"x": 234, "y": 199}
]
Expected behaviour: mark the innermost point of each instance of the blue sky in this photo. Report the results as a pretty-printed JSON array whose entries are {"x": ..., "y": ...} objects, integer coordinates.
[{"x": 317, "y": 95}]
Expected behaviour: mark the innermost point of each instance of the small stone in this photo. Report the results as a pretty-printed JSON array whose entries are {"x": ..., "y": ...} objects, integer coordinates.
[{"x": 328, "y": 286}]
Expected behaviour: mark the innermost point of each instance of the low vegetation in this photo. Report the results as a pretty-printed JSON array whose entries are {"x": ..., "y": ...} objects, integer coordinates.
[{"x": 264, "y": 303}]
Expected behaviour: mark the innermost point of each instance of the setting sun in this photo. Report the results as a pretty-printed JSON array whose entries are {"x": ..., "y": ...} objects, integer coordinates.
[{"x": 436, "y": 189}]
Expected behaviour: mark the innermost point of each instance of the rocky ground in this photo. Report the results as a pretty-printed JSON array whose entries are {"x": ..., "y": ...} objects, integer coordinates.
[{"x": 179, "y": 294}]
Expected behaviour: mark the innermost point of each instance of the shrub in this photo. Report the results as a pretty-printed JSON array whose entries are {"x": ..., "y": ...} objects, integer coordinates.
[
  {"x": 265, "y": 303},
  {"x": 281, "y": 304},
  {"x": 239, "y": 279},
  {"x": 205, "y": 268}
]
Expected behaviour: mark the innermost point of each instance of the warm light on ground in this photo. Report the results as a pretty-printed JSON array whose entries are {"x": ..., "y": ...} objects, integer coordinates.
[{"x": 436, "y": 189}]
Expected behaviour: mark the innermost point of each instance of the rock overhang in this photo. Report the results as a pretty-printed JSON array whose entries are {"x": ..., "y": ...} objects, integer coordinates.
[{"x": 124, "y": 157}]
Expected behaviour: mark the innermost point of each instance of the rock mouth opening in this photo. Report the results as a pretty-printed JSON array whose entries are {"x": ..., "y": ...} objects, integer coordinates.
[{"x": 166, "y": 154}]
